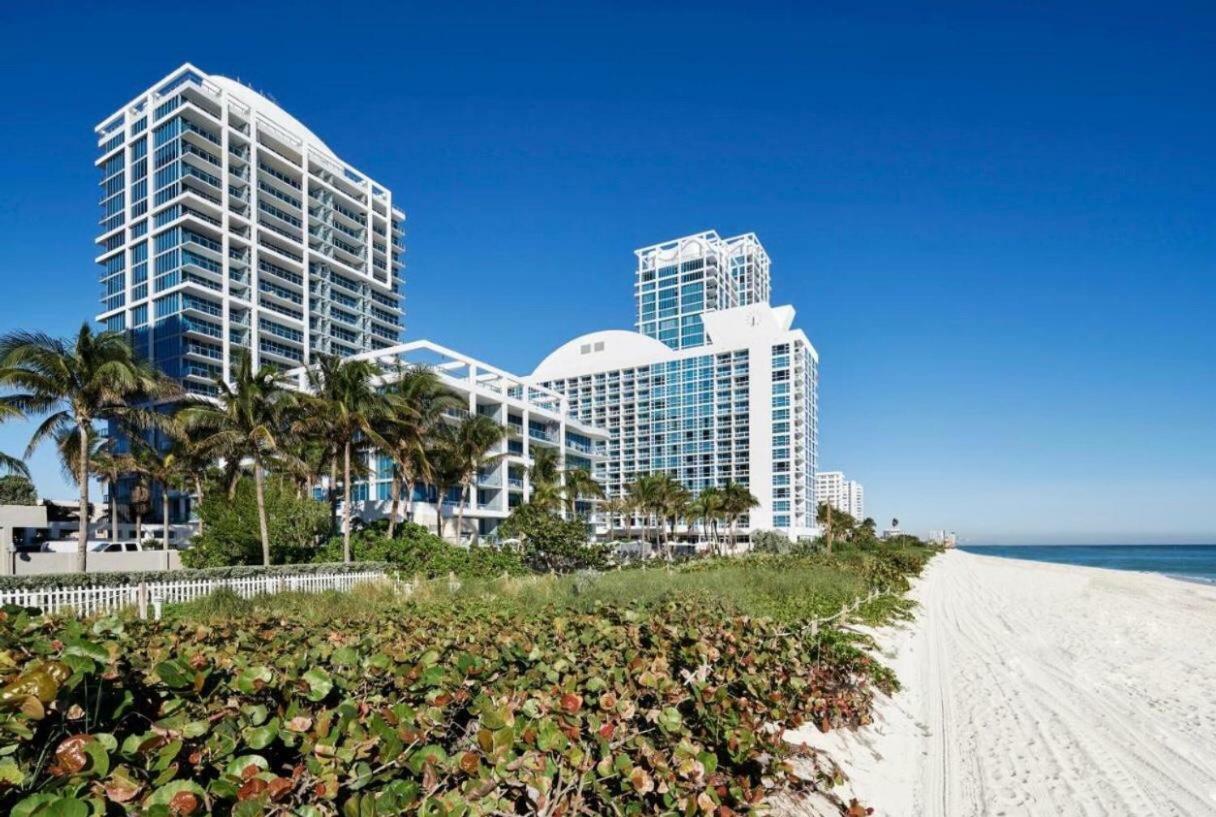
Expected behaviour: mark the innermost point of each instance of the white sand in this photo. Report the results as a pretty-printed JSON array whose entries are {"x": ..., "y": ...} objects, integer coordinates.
[{"x": 1037, "y": 689}]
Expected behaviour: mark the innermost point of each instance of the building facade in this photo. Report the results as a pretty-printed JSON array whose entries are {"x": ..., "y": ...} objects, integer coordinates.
[
  {"x": 844, "y": 495},
  {"x": 228, "y": 227},
  {"x": 677, "y": 281},
  {"x": 533, "y": 417},
  {"x": 726, "y": 393}
]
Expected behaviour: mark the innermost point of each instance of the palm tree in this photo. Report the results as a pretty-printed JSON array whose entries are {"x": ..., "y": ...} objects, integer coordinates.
[
  {"x": 470, "y": 446},
  {"x": 580, "y": 485},
  {"x": 245, "y": 421},
  {"x": 707, "y": 507},
  {"x": 676, "y": 500},
  {"x": 102, "y": 462},
  {"x": 194, "y": 462},
  {"x": 347, "y": 405},
  {"x": 108, "y": 463},
  {"x": 163, "y": 466},
  {"x": 662, "y": 497},
  {"x": 545, "y": 467},
  {"x": 417, "y": 400},
  {"x": 77, "y": 383},
  {"x": 614, "y": 507},
  {"x": 638, "y": 494},
  {"x": 10, "y": 464},
  {"x": 445, "y": 471},
  {"x": 736, "y": 501}
]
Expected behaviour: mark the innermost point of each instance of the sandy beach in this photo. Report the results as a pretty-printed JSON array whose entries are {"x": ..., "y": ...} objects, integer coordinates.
[{"x": 1039, "y": 689}]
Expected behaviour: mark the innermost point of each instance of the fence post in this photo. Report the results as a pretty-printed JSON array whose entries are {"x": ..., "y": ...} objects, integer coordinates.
[
  {"x": 143, "y": 600},
  {"x": 156, "y": 607}
]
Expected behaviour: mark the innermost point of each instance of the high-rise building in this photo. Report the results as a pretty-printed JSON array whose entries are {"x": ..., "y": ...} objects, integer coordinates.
[
  {"x": 717, "y": 385},
  {"x": 228, "y": 226},
  {"x": 678, "y": 281},
  {"x": 845, "y": 495}
]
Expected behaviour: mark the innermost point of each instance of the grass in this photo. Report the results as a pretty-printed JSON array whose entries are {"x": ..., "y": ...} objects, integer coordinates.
[{"x": 786, "y": 588}]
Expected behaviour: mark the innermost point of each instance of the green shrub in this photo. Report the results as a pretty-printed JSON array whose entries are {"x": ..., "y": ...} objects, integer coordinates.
[
  {"x": 550, "y": 543},
  {"x": 415, "y": 551},
  {"x": 771, "y": 541},
  {"x": 462, "y": 709},
  {"x": 230, "y": 534}
]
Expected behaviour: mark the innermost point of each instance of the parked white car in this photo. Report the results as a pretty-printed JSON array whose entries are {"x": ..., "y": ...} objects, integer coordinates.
[{"x": 95, "y": 546}]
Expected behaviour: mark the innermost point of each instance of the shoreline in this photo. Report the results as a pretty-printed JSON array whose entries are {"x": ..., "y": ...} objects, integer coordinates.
[{"x": 1039, "y": 688}]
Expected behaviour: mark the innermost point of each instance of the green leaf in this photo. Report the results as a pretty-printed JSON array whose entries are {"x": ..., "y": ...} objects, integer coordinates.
[
  {"x": 175, "y": 794},
  {"x": 99, "y": 758},
  {"x": 237, "y": 766},
  {"x": 174, "y": 674},
  {"x": 259, "y": 737},
  {"x": 50, "y": 805},
  {"x": 319, "y": 683},
  {"x": 252, "y": 679},
  {"x": 10, "y": 772}
]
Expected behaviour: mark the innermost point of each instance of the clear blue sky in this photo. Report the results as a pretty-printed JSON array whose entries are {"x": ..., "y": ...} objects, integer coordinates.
[{"x": 997, "y": 223}]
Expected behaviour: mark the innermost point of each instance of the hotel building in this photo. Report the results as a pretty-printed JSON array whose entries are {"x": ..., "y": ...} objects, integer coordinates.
[
  {"x": 716, "y": 386},
  {"x": 532, "y": 416},
  {"x": 844, "y": 495},
  {"x": 228, "y": 226}
]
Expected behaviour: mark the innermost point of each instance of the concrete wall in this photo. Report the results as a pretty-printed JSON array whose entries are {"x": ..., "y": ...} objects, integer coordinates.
[{"x": 33, "y": 564}]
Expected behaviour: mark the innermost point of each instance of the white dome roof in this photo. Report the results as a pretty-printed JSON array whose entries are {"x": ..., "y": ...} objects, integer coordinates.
[
  {"x": 270, "y": 110},
  {"x": 601, "y": 351}
]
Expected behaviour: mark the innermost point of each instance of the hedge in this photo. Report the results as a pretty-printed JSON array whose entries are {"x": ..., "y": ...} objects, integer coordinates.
[{"x": 58, "y": 580}]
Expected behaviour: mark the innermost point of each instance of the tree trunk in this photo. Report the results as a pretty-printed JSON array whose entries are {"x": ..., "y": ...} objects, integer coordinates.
[
  {"x": 198, "y": 490},
  {"x": 139, "y": 527},
  {"x": 464, "y": 498},
  {"x": 410, "y": 484},
  {"x": 82, "y": 543},
  {"x": 262, "y": 526},
  {"x": 346, "y": 502},
  {"x": 395, "y": 506},
  {"x": 164, "y": 516},
  {"x": 831, "y": 533},
  {"x": 333, "y": 496},
  {"x": 113, "y": 512},
  {"x": 439, "y": 511}
]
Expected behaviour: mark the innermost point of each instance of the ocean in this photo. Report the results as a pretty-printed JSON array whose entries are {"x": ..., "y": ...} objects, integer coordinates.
[{"x": 1194, "y": 562}]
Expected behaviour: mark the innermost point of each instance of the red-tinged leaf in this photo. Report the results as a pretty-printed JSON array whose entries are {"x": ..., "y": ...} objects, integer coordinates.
[
  {"x": 251, "y": 788},
  {"x": 183, "y": 804},
  {"x": 70, "y": 756},
  {"x": 278, "y": 788}
]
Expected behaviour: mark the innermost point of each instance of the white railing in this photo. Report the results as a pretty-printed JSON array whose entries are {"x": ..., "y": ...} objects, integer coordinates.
[{"x": 145, "y": 596}]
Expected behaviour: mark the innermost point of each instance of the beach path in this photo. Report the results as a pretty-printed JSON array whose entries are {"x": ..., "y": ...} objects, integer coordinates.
[{"x": 1041, "y": 689}]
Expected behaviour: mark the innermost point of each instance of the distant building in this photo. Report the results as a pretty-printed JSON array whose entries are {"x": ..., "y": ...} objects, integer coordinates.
[
  {"x": 943, "y": 538},
  {"x": 715, "y": 386},
  {"x": 844, "y": 495}
]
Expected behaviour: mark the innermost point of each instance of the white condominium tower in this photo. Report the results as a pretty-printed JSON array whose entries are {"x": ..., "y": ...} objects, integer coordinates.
[
  {"x": 844, "y": 495},
  {"x": 228, "y": 226},
  {"x": 717, "y": 386},
  {"x": 678, "y": 281}
]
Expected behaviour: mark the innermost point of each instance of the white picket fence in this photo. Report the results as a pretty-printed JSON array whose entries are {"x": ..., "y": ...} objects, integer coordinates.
[{"x": 148, "y": 597}]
